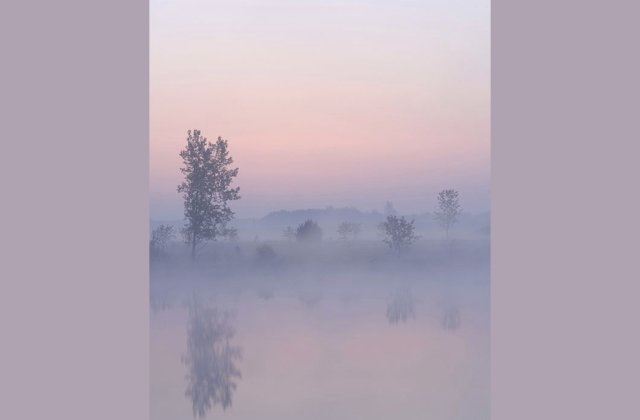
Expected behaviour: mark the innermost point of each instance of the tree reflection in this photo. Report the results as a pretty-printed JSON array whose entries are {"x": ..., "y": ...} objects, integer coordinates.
[
  {"x": 211, "y": 358},
  {"x": 450, "y": 317},
  {"x": 401, "y": 307}
]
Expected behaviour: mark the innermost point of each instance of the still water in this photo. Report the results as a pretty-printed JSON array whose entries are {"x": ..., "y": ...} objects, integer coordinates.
[{"x": 331, "y": 350}]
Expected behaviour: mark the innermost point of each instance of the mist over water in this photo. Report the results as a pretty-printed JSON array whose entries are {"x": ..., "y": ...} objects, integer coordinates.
[
  {"x": 317, "y": 156},
  {"x": 326, "y": 330}
]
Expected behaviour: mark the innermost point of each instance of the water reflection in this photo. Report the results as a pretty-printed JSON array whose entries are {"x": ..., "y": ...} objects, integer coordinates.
[
  {"x": 211, "y": 358},
  {"x": 159, "y": 303},
  {"x": 401, "y": 307},
  {"x": 450, "y": 317}
]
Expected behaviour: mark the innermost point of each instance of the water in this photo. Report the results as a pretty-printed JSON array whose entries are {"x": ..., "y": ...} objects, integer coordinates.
[{"x": 321, "y": 348}]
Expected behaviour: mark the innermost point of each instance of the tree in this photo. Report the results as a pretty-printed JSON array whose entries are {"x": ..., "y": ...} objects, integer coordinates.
[
  {"x": 309, "y": 231},
  {"x": 160, "y": 238},
  {"x": 399, "y": 233},
  {"x": 449, "y": 210},
  {"x": 348, "y": 229},
  {"x": 206, "y": 189}
]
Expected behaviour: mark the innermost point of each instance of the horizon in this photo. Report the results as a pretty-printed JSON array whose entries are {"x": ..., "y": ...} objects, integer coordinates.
[
  {"x": 319, "y": 209},
  {"x": 353, "y": 103}
]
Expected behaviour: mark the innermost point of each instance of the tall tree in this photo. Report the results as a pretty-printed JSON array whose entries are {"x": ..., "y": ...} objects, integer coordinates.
[
  {"x": 449, "y": 209},
  {"x": 206, "y": 189}
]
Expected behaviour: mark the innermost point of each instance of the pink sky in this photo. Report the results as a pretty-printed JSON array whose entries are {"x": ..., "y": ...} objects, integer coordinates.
[{"x": 343, "y": 103}]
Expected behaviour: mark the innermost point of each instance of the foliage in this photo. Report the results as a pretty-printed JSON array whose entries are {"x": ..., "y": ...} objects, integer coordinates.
[
  {"x": 206, "y": 188},
  {"x": 160, "y": 238},
  {"x": 348, "y": 230},
  {"x": 309, "y": 231},
  {"x": 399, "y": 233},
  {"x": 449, "y": 209}
]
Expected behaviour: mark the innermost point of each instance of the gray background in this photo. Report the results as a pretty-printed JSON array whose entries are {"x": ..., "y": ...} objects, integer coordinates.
[
  {"x": 73, "y": 123},
  {"x": 74, "y": 129}
]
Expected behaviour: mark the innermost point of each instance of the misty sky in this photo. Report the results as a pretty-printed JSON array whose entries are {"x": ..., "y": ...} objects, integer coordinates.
[{"x": 325, "y": 102}]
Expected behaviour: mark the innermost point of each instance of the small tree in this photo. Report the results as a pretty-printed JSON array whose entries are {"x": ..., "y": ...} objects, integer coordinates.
[
  {"x": 399, "y": 233},
  {"x": 348, "y": 229},
  {"x": 449, "y": 210},
  {"x": 160, "y": 238},
  {"x": 309, "y": 231},
  {"x": 206, "y": 189}
]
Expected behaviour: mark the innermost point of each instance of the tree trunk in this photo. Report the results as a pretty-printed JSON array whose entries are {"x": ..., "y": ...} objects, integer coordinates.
[{"x": 193, "y": 246}]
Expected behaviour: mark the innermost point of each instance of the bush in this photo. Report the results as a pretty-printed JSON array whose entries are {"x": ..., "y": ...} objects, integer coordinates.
[
  {"x": 348, "y": 230},
  {"x": 309, "y": 231},
  {"x": 265, "y": 254}
]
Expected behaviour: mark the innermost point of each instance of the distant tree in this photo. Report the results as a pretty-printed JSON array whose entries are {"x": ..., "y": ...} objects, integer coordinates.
[
  {"x": 289, "y": 233},
  {"x": 265, "y": 254},
  {"x": 160, "y": 238},
  {"x": 449, "y": 210},
  {"x": 309, "y": 231},
  {"x": 389, "y": 210},
  {"x": 206, "y": 189},
  {"x": 348, "y": 229},
  {"x": 399, "y": 233}
]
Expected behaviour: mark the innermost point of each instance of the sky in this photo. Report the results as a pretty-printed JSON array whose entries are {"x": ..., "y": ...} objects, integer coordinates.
[{"x": 324, "y": 102}]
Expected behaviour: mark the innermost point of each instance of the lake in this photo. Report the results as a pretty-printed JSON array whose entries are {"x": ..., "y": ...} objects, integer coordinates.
[{"x": 349, "y": 346}]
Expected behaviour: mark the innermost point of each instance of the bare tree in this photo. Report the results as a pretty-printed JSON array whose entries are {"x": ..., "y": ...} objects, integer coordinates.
[
  {"x": 449, "y": 210},
  {"x": 206, "y": 189},
  {"x": 348, "y": 229},
  {"x": 399, "y": 233}
]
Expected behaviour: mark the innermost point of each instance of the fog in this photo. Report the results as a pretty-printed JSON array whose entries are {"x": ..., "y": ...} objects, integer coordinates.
[
  {"x": 309, "y": 257},
  {"x": 270, "y": 327}
]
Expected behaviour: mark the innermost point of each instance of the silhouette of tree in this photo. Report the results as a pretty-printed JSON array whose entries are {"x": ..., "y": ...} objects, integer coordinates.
[
  {"x": 206, "y": 189},
  {"x": 399, "y": 233},
  {"x": 348, "y": 229},
  {"x": 309, "y": 231},
  {"x": 160, "y": 238},
  {"x": 449, "y": 210}
]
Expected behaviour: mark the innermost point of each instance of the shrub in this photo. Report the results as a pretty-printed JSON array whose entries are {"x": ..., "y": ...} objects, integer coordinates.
[
  {"x": 265, "y": 254},
  {"x": 348, "y": 230},
  {"x": 309, "y": 231}
]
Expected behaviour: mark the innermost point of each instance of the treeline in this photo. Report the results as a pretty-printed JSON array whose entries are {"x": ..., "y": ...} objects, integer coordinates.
[{"x": 207, "y": 189}]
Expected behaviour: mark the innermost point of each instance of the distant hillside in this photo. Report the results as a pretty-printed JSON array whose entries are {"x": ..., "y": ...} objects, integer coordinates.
[
  {"x": 328, "y": 214},
  {"x": 272, "y": 225}
]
